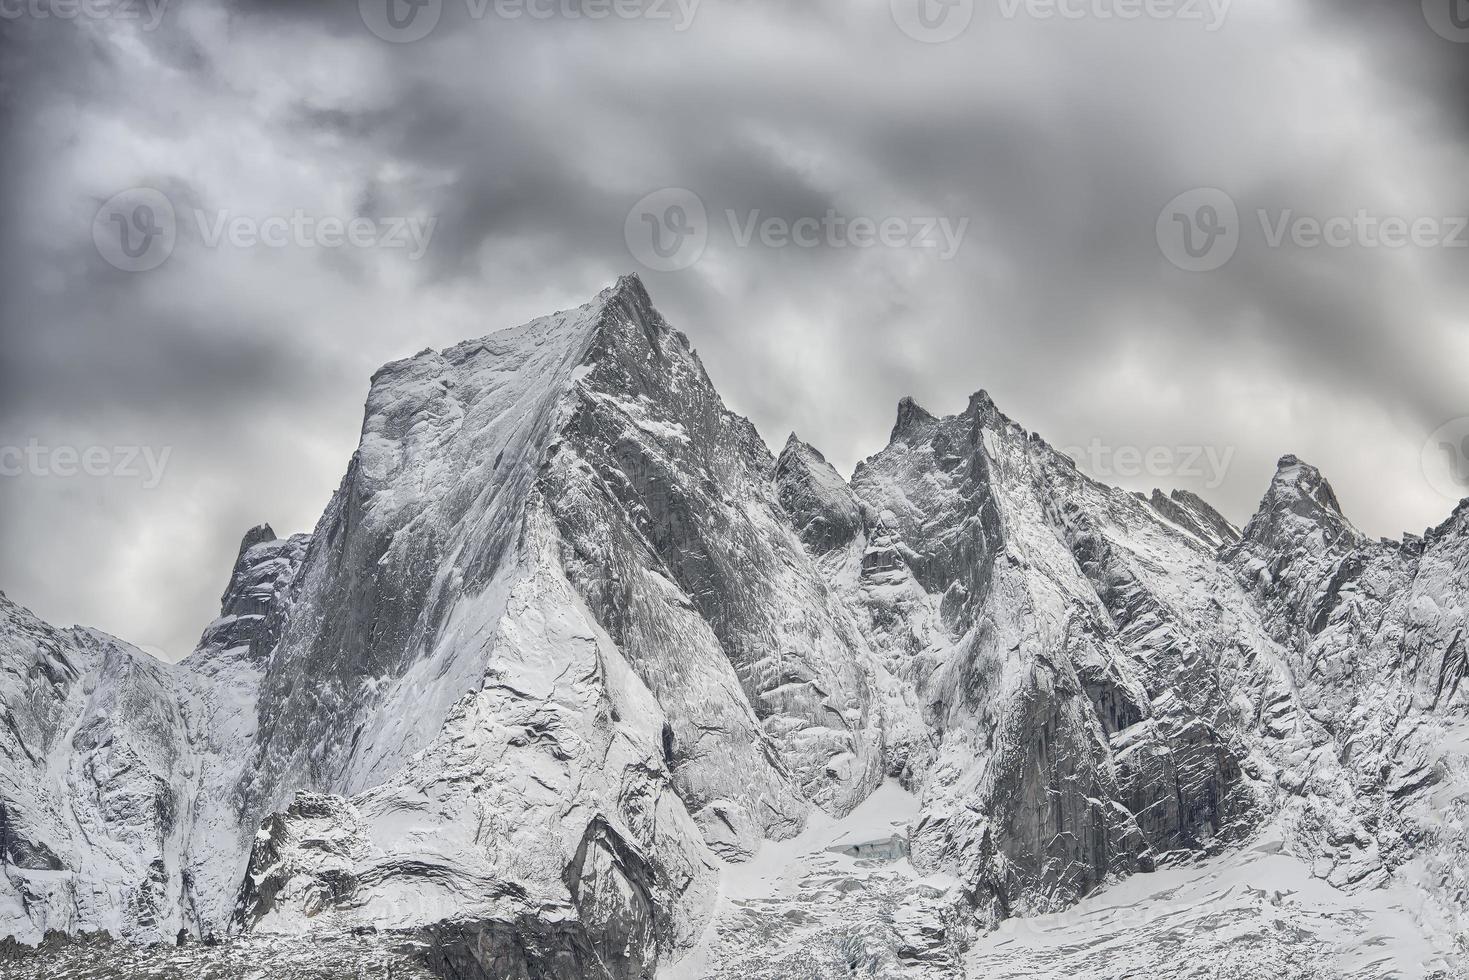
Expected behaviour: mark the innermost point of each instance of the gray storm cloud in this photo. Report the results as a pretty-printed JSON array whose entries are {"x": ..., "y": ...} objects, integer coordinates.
[{"x": 1055, "y": 139}]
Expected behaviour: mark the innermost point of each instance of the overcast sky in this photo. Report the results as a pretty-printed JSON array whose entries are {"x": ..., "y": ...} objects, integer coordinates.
[{"x": 523, "y": 150}]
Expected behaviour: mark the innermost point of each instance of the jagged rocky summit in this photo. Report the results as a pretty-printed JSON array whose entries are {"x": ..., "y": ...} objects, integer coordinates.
[{"x": 570, "y": 653}]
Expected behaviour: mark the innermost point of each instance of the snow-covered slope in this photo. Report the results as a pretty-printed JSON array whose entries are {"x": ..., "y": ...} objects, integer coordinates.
[
  {"x": 1379, "y": 648},
  {"x": 93, "y": 806},
  {"x": 570, "y": 654}
]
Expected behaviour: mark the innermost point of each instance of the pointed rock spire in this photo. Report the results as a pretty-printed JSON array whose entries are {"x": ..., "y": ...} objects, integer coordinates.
[
  {"x": 821, "y": 506},
  {"x": 911, "y": 417},
  {"x": 1299, "y": 505}
]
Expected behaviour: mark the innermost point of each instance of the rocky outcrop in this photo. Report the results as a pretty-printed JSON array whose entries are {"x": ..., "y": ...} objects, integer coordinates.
[
  {"x": 822, "y": 510},
  {"x": 253, "y": 605},
  {"x": 1001, "y": 585},
  {"x": 93, "y": 785},
  {"x": 1193, "y": 514},
  {"x": 1375, "y": 631},
  {"x": 665, "y": 503}
]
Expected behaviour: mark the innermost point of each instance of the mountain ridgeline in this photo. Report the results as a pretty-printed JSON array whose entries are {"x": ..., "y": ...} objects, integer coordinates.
[{"x": 569, "y": 643}]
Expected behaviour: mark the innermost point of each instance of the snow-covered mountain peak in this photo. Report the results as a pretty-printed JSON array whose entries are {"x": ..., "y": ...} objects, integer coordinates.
[
  {"x": 1301, "y": 487},
  {"x": 981, "y": 405},
  {"x": 564, "y": 338},
  {"x": 912, "y": 419},
  {"x": 257, "y": 534},
  {"x": 982, "y": 412},
  {"x": 795, "y": 446},
  {"x": 1300, "y": 507},
  {"x": 815, "y": 498}
]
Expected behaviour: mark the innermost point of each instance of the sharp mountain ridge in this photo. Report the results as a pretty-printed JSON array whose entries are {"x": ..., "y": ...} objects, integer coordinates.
[{"x": 569, "y": 647}]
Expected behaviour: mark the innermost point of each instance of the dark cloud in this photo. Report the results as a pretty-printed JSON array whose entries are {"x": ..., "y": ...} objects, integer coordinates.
[
  {"x": 1407, "y": 53},
  {"x": 528, "y": 140}
]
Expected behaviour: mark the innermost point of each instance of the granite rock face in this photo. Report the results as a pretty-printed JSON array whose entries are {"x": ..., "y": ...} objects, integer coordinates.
[
  {"x": 93, "y": 802},
  {"x": 1064, "y": 737},
  {"x": 568, "y": 647},
  {"x": 251, "y": 607},
  {"x": 1376, "y": 633}
]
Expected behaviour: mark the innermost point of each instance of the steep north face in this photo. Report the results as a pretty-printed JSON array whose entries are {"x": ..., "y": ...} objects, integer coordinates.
[{"x": 569, "y": 643}]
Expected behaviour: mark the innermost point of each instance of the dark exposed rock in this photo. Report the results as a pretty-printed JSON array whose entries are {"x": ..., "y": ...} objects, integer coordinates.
[
  {"x": 532, "y": 947},
  {"x": 614, "y": 891},
  {"x": 820, "y": 506}
]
